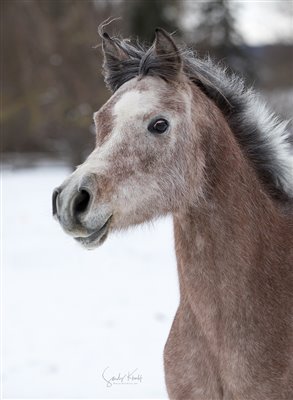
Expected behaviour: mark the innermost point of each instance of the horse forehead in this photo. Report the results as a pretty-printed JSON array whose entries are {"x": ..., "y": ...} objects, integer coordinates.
[{"x": 135, "y": 102}]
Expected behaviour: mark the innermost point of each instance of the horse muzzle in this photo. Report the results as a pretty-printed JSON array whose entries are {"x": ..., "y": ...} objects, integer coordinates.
[{"x": 74, "y": 207}]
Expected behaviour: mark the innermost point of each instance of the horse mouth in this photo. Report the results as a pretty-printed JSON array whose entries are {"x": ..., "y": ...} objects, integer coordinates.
[{"x": 97, "y": 237}]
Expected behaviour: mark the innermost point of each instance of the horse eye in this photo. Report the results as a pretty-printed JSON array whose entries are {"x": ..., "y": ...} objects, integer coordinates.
[{"x": 158, "y": 126}]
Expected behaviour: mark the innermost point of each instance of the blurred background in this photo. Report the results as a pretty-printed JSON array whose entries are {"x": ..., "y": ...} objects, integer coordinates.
[
  {"x": 51, "y": 70},
  {"x": 68, "y": 314}
]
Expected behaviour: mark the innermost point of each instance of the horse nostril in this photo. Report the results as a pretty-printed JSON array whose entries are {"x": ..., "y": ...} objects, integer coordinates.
[
  {"x": 54, "y": 201},
  {"x": 81, "y": 202}
]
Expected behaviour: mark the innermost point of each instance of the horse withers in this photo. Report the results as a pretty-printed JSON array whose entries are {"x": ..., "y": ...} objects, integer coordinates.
[{"x": 180, "y": 136}]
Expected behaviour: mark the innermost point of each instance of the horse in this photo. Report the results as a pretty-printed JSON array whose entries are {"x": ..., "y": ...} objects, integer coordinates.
[{"x": 183, "y": 136}]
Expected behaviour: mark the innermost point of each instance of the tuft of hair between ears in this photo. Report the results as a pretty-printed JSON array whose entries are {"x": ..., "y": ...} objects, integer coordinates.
[{"x": 263, "y": 137}]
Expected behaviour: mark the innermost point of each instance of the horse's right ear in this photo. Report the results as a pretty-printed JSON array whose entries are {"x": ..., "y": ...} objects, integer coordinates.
[
  {"x": 114, "y": 56},
  {"x": 111, "y": 50}
]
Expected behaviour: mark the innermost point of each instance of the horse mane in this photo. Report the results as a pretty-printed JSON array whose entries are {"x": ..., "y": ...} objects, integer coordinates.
[{"x": 263, "y": 137}]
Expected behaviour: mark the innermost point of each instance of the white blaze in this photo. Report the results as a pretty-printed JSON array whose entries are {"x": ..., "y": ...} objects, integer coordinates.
[{"x": 134, "y": 103}]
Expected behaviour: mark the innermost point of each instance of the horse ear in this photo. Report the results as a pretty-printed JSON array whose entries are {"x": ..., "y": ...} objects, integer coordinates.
[
  {"x": 114, "y": 61},
  {"x": 165, "y": 48},
  {"x": 112, "y": 51}
]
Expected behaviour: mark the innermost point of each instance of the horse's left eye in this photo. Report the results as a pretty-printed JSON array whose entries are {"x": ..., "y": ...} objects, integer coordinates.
[{"x": 158, "y": 126}]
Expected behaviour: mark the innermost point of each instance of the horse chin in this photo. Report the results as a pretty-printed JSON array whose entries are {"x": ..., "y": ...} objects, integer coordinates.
[
  {"x": 95, "y": 243},
  {"x": 96, "y": 238}
]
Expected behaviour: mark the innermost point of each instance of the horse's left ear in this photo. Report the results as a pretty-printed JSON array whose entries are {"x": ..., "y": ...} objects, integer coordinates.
[{"x": 166, "y": 49}]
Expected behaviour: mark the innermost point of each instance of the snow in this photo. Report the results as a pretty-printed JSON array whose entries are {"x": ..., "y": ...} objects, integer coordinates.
[{"x": 69, "y": 313}]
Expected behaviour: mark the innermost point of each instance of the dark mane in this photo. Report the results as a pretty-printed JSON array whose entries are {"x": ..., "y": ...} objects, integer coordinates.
[{"x": 263, "y": 137}]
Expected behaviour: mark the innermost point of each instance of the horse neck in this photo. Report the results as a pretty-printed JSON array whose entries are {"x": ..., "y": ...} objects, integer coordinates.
[{"x": 221, "y": 242}]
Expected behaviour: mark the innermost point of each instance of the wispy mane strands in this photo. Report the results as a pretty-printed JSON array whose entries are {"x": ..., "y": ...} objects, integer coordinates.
[{"x": 263, "y": 137}]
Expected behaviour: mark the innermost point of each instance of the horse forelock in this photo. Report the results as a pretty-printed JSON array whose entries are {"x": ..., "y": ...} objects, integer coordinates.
[{"x": 262, "y": 136}]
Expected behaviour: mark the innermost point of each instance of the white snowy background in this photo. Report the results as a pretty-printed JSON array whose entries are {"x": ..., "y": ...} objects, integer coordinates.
[{"x": 68, "y": 313}]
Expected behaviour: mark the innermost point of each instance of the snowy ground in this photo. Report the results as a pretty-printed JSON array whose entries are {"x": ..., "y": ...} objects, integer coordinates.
[{"x": 68, "y": 314}]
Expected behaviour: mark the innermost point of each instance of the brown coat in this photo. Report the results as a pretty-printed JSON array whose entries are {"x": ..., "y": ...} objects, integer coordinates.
[{"x": 232, "y": 334}]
